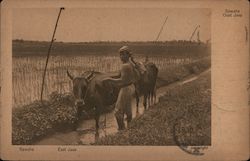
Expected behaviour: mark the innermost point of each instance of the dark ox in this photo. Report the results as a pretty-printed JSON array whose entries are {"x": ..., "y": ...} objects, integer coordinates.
[
  {"x": 91, "y": 92},
  {"x": 146, "y": 86}
]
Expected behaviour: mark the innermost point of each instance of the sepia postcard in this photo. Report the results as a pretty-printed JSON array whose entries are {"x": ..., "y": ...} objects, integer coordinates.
[{"x": 124, "y": 80}]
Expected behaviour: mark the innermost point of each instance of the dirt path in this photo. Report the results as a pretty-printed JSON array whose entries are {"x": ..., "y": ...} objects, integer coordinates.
[{"x": 85, "y": 133}]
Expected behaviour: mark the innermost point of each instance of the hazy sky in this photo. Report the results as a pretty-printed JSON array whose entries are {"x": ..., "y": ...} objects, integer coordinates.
[{"x": 81, "y": 24}]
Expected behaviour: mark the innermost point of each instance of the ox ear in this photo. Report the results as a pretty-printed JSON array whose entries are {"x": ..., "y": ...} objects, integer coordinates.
[
  {"x": 90, "y": 76},
  {"x": 69, "y": 75}
]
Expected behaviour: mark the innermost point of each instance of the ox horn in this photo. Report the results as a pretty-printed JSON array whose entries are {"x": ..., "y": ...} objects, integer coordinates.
[{"x": 70, "y": 76}]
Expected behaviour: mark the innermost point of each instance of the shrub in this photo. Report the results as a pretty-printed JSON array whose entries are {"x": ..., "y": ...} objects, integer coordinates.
[{"x": 40, "y": 118}]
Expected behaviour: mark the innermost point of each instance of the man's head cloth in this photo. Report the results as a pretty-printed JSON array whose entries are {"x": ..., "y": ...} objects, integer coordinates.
[{"x": 125, "y": 49}]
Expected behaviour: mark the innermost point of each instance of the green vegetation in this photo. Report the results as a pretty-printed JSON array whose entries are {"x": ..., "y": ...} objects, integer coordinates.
[{"x": 187, "y": 107}]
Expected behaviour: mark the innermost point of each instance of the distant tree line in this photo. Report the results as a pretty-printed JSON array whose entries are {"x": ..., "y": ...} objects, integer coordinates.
[{"x": 172, "y": 48}]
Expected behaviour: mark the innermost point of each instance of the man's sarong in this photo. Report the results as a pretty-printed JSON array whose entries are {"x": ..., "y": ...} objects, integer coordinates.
[
  {"x": 124, "y": 105},
  {"x": 124, "y": 100}
]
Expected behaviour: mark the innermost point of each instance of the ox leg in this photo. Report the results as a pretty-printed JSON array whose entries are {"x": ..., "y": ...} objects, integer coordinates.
[
  {"x": 148, "y": 97},
  {"x": 145, "y": 101},
  {"x": 137, "y": 102},
  {"x": 154, "y": 96},
  {"x": 78, "y": 115},
  {"x": 96, "y": 136},
  {"x": 97, "y": 118},
  {"x": 119, "y": 115}
]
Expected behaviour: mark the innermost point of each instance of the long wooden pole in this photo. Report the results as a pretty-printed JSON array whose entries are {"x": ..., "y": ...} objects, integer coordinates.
[
  {"x": 194, "y": 32},
  {"x": 52, "y": 40},
  {"x": 161, "y": 29}
]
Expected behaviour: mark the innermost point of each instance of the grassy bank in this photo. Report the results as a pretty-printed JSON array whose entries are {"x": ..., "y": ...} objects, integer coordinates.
[
  {"x": 182, "y": 114},
  {"x": 174, "y": 74},
  {"x": 36, "y": 120}
]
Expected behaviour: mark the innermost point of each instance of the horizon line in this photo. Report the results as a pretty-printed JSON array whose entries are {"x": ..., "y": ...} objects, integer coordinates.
[{"x": 159, "y": 41}]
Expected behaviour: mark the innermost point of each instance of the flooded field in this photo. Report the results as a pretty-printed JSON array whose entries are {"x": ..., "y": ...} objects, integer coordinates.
[{"x": 28, "y": 70}]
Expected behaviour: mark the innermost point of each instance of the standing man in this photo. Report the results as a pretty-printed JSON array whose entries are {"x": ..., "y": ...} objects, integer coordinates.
[{"x": 127, "y": 78}]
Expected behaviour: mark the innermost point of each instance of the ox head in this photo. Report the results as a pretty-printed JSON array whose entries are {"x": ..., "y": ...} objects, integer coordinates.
[{"x": 80, "y": 85}]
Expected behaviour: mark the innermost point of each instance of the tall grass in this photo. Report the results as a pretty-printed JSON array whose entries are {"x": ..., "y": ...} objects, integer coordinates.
[{"x": 28, "y": 71}]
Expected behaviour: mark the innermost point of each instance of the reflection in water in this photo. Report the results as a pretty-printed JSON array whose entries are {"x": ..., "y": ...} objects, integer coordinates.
[{"x": 87, "y": 131}]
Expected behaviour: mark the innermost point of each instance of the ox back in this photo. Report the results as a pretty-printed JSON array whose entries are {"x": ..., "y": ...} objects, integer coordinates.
[{"x": 102, "y": 92}]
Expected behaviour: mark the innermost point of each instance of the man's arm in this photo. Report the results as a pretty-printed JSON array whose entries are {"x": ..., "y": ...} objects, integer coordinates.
[
  {"x": 125, "y": 78},
  {"x": 115, "y": 75}
]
